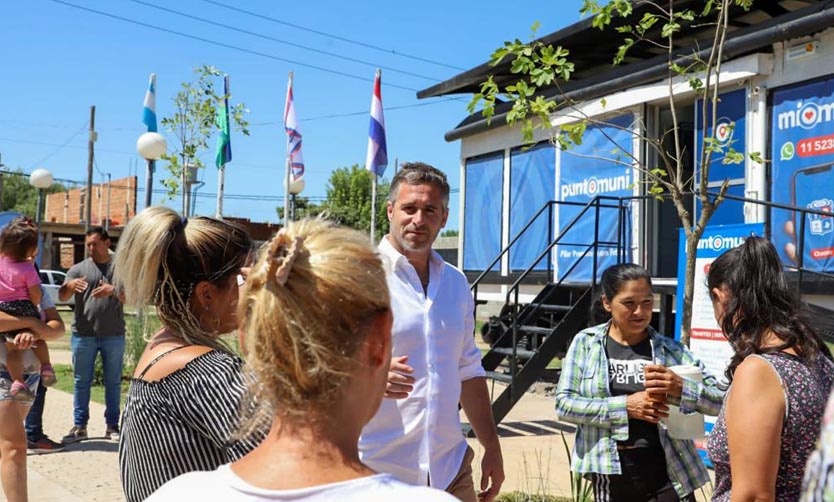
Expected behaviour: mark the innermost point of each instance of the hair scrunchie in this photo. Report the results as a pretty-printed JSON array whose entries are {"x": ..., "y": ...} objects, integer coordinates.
[{"x": 283, "y": 250}]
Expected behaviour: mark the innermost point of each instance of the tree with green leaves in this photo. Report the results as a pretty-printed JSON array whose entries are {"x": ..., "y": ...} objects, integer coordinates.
[
  {"x": 349, "y": 199},
  {"x": 540, "y": 66},
  {"x": 193, "y": 123},
  {"x": 304, "y": 208},
  {"x": 19, "y": 196}
]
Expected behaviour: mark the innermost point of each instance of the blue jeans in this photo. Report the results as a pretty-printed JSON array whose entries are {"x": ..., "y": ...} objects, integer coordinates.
[{"x": 84, "y": 351}]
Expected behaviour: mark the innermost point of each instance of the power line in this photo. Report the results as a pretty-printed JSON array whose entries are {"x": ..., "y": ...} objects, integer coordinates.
[
  {"x": 353, "y": 114},
  {"x": 61, "y": 146},
  {"x": 331, "y": 35},
  {"x": 228, "y": 46},
  {"x": 285, "y": 42}
]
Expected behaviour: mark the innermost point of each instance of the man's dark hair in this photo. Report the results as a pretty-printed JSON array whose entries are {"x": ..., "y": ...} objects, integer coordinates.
[
  {"x": 100, "y": 231},
  {"x": 419, "y": 173}
]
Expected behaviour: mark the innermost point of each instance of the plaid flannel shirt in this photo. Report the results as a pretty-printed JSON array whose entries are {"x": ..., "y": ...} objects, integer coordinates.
[{"x": 583, "y": 397}]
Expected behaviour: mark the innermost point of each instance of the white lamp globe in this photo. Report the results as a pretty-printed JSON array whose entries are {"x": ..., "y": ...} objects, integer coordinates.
[
  {"x": 296, "y": 185},
  {"x": 151, "y": 146},
  {"x": 40, "y": 178}
]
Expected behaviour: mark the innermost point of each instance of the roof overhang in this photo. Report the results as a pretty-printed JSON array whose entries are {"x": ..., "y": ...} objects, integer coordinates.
[{"x": 752, "y": 32}]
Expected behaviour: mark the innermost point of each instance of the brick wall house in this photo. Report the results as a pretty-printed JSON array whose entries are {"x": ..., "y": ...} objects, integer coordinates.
[{"x": 68, "y": 207}]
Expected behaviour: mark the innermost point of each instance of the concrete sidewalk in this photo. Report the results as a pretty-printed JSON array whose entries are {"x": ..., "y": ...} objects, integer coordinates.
[
  {"x": 534, "y": 456},
  {"x": 535, "y": 459},
  {"x": 85, "y": 471}
]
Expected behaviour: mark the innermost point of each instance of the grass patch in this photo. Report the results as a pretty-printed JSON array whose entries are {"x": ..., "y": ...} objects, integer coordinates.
[{"x": 66, "y": 383}]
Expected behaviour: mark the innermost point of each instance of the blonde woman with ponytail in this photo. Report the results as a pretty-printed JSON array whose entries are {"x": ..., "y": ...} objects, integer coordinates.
[
  {"x": 316, "y": 324},
  {"x": 184, "y": 401}
]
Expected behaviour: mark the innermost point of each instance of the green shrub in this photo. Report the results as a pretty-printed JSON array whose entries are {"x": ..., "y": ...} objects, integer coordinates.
[{"x": 139, "y": 327}]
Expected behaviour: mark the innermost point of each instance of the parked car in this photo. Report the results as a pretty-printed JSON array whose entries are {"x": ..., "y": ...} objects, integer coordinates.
[{"x": 51, "y": 281}]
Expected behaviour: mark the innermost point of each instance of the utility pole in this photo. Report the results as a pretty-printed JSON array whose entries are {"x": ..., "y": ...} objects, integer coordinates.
[
  {"x": 88, "y": 207},
  {"x": 1, "y": 182},
  {"x": 107, "y": 221}
]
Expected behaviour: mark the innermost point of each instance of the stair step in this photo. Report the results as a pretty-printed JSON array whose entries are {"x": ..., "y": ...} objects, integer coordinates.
[
  {"x": 501, "y": 377},
  {"x": 547, "y": 307},
  {"x": 534, "y": 330},
  {"x": 520, "y": 353}
]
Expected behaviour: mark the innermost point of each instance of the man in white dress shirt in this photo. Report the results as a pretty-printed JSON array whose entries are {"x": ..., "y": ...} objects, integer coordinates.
[{"x": 416, "y": 434}]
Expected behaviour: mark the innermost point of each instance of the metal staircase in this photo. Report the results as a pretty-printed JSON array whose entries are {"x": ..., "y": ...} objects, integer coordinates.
[
  {"x": 537, "y": 332},
  {"x": 543, "y": 330},
  {"x": 533, "y": 334}
]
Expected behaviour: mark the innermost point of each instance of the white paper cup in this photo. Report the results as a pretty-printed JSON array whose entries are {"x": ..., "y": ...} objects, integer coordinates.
[{"x": 685, "y": 426}]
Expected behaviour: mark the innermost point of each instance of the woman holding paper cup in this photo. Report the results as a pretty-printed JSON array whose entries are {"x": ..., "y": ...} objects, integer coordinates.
[
  {"x": 616, "y": 386},
  {"x": 780, "y": 376}
]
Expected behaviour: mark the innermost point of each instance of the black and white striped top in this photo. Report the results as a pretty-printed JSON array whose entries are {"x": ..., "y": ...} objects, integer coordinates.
[{"x": 182, "y": 423}]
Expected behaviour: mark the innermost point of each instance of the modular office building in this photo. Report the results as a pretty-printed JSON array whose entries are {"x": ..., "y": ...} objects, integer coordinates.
[{"x": 776, "y": 87}]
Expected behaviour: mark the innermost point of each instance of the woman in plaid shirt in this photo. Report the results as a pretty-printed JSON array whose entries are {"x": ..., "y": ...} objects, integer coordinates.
[{"x": 615, "y": 386}]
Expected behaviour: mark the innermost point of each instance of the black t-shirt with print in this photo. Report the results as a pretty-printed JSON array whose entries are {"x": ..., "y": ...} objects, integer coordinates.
[{"x": 625, "y": 376}]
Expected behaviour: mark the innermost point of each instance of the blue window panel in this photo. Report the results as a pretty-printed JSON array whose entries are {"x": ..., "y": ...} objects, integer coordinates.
[
  {"x": 532, "y": 185},
  {"x": 600, "y": 166},
  {"x": 484, "y": 178}
]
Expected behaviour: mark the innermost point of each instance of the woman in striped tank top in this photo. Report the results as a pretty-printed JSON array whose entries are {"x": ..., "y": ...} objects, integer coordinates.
[
  {"x": 184, "y": 401},
  {"x": 316, "y": 323}
]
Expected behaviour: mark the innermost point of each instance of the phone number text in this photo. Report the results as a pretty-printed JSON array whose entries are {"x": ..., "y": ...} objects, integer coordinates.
[{"x": 821, "y": 145}]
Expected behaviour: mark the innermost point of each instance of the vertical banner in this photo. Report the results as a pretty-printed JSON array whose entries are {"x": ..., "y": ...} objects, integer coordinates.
[
  {"x": 601, "y": 165},
  {"x": 730, "y": 131},
  {"x": 802, "y": 151},
  {"x": 707, "y": 341},
  {"x": 532, "y": 185},
  {"x": 484, "y": 178}
]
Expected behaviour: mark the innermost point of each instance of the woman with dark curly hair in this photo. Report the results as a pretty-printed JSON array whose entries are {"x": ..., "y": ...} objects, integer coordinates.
[{"x": 780, "y": 376}]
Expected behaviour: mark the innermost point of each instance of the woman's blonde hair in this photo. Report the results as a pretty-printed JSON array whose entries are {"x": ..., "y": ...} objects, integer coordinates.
[
  {"x": 306, "y": 308},
  {"x": 161, "y": 257}
]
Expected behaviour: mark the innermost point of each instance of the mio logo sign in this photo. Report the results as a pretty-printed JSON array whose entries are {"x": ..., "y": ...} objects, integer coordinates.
[
  {"x": 724, "y": 131},
  {"x": 806, "y": 115}
]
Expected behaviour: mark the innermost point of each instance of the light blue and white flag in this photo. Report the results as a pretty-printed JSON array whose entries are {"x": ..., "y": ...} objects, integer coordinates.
[{"x": 149, "y": 111}]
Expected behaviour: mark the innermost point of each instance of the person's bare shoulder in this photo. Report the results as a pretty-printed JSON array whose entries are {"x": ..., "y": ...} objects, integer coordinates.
[{"x": 756, "y": 379}]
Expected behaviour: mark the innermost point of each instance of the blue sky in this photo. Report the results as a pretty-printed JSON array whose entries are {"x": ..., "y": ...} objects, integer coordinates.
[{"x": 58, "y": 60}]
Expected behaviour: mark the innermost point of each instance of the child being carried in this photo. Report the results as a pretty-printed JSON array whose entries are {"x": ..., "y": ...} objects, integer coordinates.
[{"x": 20, "y": 293}]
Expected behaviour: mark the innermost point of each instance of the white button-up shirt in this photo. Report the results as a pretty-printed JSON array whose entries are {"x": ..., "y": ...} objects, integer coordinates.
[{"x": 419, "y": 438}]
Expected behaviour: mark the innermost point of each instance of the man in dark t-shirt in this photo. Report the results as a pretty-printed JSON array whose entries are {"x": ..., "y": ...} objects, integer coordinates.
[{"x": 98, "y": 326}]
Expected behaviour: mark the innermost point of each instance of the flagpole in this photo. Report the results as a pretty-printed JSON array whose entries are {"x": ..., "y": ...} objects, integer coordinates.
[
  {"x": 373, "y": 209},
  {"x": 287, "y": 174},
  {"x": 377, "y": 157},
  {"x": 221, "y": 175},
  {"x": 149, "y": 118},
  {"x": 221, "y": 169}
]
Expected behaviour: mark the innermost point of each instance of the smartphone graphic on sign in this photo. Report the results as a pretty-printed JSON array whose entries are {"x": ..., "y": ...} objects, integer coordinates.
[{"x": 813, "y": 188}]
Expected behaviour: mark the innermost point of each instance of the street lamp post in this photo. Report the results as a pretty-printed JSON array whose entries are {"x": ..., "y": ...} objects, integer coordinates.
[
  {"x": 41, "y": 179},
  {"x": 296, "y": 187},
  {"x": 151, "y": 146}
]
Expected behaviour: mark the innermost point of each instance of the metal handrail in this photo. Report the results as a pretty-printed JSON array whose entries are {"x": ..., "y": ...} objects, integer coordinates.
[
  {"x": 518, "y": 235},
  {"x": 621, "y": 203}
]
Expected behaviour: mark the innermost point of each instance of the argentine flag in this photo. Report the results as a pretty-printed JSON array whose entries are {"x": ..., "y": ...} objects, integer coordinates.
[{"x": 149, "y": 111}]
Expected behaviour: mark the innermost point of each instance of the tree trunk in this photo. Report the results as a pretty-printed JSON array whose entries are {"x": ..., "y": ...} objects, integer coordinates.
[{"x": 689, "y": 285}]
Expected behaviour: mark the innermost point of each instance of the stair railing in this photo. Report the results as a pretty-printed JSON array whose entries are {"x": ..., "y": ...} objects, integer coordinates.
[{"x": 513, "y": 293}]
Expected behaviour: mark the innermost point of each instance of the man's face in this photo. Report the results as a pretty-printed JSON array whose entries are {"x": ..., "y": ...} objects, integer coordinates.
[
  {"x": 416, "y": 217},
  {"x": 98, "y": 249}
]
